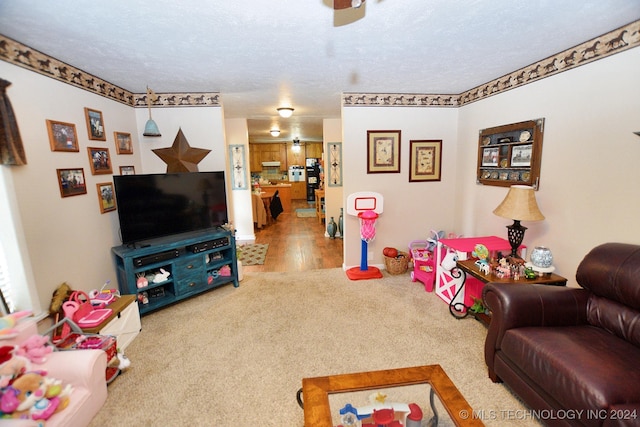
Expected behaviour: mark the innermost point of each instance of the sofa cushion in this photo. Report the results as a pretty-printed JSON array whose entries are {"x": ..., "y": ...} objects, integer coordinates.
[{"x": 582, "y": 367}]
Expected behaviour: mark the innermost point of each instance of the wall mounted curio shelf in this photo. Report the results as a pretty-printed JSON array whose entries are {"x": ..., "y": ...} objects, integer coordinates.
[{"x": 511, "y": 154}]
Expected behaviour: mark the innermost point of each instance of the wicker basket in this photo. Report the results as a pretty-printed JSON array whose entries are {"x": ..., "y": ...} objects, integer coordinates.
[{"x": 397, "y": 265}]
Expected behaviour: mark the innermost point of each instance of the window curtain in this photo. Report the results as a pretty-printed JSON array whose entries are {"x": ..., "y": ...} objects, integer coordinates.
[{"x": 11, "y": 148}]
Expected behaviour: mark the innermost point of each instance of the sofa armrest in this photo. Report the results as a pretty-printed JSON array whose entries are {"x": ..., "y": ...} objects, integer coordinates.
[
  {"x": 514, "y": 306},
  {"x": 80, "y": 368}
]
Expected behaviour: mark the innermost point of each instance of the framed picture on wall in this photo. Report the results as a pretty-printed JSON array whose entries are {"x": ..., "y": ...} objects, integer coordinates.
[
  {"x": 100, "y": 160},
  {"x": 425, "y": 160},
  {"x": 335, "y": 164},
  {"x": 95, "y": 124},
  {"x": 383, "y": 151},
  {"x": 62, "y": 136},
  {"x": 127, "y": 170},
  {"x": 238, "y": 163},
  {"x": 123, "y": 143},
  {"x": 106, "y": 197},
  {"x": 71, "y": 182}
]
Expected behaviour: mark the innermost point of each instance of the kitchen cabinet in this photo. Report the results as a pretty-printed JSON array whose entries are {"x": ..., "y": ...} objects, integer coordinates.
[
  {"x": 294, "y": 158},
  {"x": 255, "y": 162},
  {"x": 299, "y": 190},
  {"x": 313, "y": 150},
  {"x": 267, "y": 153}
]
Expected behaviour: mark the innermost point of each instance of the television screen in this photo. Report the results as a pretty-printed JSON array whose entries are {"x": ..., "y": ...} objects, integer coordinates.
[{"x": 157, "y": 205}]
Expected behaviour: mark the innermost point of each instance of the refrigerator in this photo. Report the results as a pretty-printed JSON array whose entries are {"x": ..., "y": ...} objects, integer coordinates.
[{"x": 313, "y": 178}]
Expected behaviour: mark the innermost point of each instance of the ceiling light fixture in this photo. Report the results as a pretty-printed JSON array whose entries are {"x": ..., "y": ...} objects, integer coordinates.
[
  {"x": 275, "y": 132},
  {"x": 285, "y": 112},
  {"x": 356, "y": 3},
  {"x": 151, "y": 128}
]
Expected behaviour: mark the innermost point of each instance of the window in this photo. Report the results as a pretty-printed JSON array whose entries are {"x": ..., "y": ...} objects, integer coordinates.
[
  {"x": 6, "y": 301},
  {"x": 16, "y": 278}
]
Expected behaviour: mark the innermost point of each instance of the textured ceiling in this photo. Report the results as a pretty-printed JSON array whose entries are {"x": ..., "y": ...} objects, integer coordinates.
[{"x": 262, "y": 54}]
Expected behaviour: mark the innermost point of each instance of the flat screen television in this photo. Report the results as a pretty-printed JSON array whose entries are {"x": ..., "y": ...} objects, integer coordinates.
[{"x": 157, "y": 205}]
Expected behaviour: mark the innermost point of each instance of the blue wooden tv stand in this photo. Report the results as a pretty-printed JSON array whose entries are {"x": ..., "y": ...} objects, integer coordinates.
[{"x": 196, "y": 262}]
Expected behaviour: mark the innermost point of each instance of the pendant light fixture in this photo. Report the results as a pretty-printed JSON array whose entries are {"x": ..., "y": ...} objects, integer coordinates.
[
  {"x": 151, "y": 128},
  {"x": 296, "y": 146},
  {"x": 275, "y": 132},
  {"x": 285, "y": 112}
]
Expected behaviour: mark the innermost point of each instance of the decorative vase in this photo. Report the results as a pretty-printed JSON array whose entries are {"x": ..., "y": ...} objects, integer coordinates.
[
  {"x": 341, "y": 223},
  {"x": 332, "y": 227},
  {"x": 541, "y": 257}
]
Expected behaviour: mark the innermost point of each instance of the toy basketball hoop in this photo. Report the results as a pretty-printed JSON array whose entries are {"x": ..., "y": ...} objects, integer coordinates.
[
  {"x": 367, "y": 206},
  {"x": 367, "y": 225}
]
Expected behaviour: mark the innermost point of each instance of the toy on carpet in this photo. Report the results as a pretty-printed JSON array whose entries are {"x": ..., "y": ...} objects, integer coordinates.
[
  {"x": 34, "y": 396},
  {"x": 366, "y": 206},
  {"x": 35, "y": 348}
]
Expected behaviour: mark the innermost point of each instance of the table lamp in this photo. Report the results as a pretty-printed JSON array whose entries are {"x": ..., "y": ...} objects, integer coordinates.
[{"x": 519, "y": 205}]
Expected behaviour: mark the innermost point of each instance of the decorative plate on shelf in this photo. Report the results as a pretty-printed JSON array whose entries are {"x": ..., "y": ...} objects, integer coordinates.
[
  {"x": 525, "y": 176},
  {"x": 524, "y": 136},
  {"x": 486, "y": 174},
  {"x": 486, "y": 140},
  {"x": 504, "y": 163}
]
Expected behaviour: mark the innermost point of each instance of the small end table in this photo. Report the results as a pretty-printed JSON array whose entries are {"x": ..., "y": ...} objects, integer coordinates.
[{"x": 468, "y": 268}]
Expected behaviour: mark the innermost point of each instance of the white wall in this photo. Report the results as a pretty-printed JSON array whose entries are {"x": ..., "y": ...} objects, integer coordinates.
[
  {"x": 241, "y": 213},
  {"x": 411, "y": 209},
  {"x": 333, "y": 196},
  {"x": 588, "y": 190},
  {"x": 589, "y": 173},
  {"x": 203, "y": 127},
  {"x": 66, "y": 239}
]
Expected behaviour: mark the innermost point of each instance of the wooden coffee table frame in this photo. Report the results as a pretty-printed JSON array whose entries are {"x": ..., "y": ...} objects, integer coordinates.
[{"x": 315, "y": 392}]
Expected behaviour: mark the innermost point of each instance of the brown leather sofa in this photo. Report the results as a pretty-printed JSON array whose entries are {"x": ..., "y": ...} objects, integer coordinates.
[{"x": 571, "y": 354}]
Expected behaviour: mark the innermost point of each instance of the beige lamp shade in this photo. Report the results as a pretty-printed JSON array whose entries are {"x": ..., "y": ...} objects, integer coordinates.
[{"x": 520, "y": 204}]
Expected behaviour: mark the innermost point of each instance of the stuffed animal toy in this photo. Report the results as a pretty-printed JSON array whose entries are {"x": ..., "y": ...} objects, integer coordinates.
[
  {"x": 11, "y": 366},
  {"x": 34, "y": 396},
  {"x": 449, "y": 261},
  {"x": 60, "y": 295},
  {"x": 8, "y": 322},
  {"x": 35, "y": 348},
  {"x": 162, "y": 276}
]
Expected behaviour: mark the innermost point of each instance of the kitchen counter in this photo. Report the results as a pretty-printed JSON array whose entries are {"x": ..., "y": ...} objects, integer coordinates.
[{"x": 284, "y": 191}]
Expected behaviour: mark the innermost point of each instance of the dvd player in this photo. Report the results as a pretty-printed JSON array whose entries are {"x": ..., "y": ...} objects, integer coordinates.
[
  {"x": 157, "y": 257},
  {"x": 210, "y": 244}
]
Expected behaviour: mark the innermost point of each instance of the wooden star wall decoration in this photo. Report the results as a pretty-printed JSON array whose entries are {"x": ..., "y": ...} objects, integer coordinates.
[{"x": 181, "y": 157}]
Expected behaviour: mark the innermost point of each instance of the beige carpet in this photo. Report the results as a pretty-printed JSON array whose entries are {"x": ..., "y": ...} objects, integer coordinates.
[{"x": 235, "y": 357}]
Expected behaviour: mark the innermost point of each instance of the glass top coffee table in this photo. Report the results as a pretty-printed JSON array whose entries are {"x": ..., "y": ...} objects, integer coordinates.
[{"x": 325, "y": 400}]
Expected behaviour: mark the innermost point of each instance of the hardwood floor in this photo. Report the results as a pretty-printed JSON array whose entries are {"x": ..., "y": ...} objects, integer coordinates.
[{"x": 297, "y": 244}]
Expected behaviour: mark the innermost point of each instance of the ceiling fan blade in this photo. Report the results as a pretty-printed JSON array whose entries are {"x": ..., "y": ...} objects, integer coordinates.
[{"x": 342, "y": 4}]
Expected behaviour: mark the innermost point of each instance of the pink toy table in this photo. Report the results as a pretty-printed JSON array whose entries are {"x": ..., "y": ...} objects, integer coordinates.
[{"x": 448, "y": 285}]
